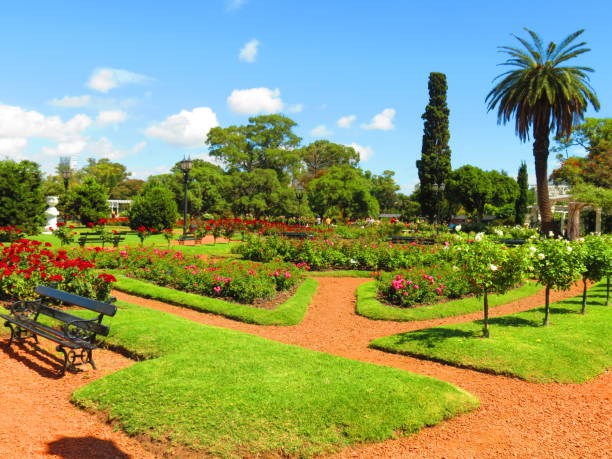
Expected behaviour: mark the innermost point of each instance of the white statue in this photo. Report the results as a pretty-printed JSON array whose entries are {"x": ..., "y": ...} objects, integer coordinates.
[{"x": 51, "y": 213}]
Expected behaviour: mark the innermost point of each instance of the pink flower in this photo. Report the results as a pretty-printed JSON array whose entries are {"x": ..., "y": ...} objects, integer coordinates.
[
  {"x": 217, "y": 289},
  {"x": 287, "y": 275},
  {"x": 415, "y": 286}
]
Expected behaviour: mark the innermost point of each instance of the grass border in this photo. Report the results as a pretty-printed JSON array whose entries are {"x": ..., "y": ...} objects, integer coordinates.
[
  {"x": 291, "y": 312},
  {"x": 369, "y": 306},
  {"x": 340, "y": 273}
]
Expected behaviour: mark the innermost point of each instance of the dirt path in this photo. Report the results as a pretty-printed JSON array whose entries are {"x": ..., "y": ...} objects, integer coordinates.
[
  {"x": 37, "y": 419},
  {"x": 516, "y": 418}
]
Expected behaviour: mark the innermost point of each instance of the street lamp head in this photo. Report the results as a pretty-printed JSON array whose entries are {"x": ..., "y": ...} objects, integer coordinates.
[
  {"x": 186, "y": 165},
  {"x": 442, "y": 186}
]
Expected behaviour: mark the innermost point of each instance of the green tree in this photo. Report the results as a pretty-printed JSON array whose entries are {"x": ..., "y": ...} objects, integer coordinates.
[
  {"x": 259, "y": 193},
  {"x": 106, "y": 172},
  {"x": 127, "y": 189},
  {"x": 323, "y": 154},
  {"x": 21, "y": 197},
  {"x": 596, "y": 254},
  {"x": 435, "y": 163},
  {"x": 153, "y": 208},
  {"x": 542, "y": 95},
  {"x": 520, "y": 205},
  {"x": 471, "y": 187},
  {"x": 267, "y": 142},
  {"x": 384, "y": 189},
  {"x": 88, "y": 201},
  {"x": 342, "y": 192}
]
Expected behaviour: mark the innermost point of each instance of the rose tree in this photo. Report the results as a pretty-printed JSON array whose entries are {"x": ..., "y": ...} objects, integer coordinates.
[
  {"x": 596, "y": 254},
  {"x": 490, "y": 268},
  {"x": 556, "y": 265}
]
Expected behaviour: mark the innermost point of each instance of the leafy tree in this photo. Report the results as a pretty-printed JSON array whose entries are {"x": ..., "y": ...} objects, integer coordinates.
[
  {"x": 541, "y": 94},
  {"x": 491, "y": 268},
  {"x": 384, "y": 189},
  {"x": 408, "y": 207},
  {"x": 88, "y": 201},
  {"x": 471, "y": 187},
  {"x": 21, "y": 197},
  {"x": 267, "y": 142},
  {"x": 596, "y": 254},
  {"x": 435, "y": 163},
  {"x": 520, "y": 206},
  {"x": 106, "y": 172},
  {"x": 259, "y": 193},
  {"x": 323, "y": 154},
  {"x": 153, "y": 208},
  {"x": 556, "y": 266},
  {"x": 127, "y": 189},
  {"x": 342, "y": 192},
  {"x": 505, "y": 189}
]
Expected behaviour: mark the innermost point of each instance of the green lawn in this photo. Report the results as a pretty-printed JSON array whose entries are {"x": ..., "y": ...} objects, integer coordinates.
[
  {"x": 340, "y": 273},
  {"x": 573, "y": 349},
  {"x": 369, "y": 306},
  {"x": 227, "y": 393},
  {"x": 290, "y": 312}
]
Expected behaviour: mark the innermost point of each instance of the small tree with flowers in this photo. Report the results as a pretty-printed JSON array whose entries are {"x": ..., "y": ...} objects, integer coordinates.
[
  {"x": 490, "y": 268},
  {"x": 596, "y": 255},
  {"x": 556, "y": 266}
]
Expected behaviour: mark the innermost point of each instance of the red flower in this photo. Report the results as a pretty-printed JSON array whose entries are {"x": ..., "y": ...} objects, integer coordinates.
[
  {"x": 90, "y": 224},
  {"x": 57, "y": 277},
  {"x": 107, "y": 278}
]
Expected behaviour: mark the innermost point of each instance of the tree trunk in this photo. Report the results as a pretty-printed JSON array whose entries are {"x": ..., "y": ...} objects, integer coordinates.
[
  {"x": 485, "y": 330},
  {"x": 541, "y": 132},
  {"x": 547, "y": 307},
  {"x": 584, "y": 295}
]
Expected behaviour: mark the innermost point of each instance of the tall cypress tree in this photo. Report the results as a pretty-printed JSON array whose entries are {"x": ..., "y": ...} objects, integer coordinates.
[
  {"x": 435, "y": 163},
  {"x": 520, "y": 207}
]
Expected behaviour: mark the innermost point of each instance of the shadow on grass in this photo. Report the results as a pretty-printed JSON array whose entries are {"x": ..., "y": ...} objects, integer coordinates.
[
  {"x": 512, "y": 321},
  {"x": 432, "y": 336}
]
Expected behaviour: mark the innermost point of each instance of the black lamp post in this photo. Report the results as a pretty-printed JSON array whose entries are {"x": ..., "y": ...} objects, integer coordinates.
[
  {"x": 186, "y": 165},
  {"x": 66, "y": 176},
  {"x": 299, "y": 194},
  {"x": 437, "y": 188}
]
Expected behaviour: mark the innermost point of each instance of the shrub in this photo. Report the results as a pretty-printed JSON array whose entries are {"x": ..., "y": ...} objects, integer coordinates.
[
  {"x": 21, "y": 197},
  {"x": 153, "y": 208},
  {"x": 88, "y": 201}
]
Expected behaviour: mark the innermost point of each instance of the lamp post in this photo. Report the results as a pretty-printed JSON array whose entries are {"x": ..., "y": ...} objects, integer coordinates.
[
  {"x": 186, "y": 165},
  {"x": 299, "y": 194},
  {"x": 437, "y": 188}
]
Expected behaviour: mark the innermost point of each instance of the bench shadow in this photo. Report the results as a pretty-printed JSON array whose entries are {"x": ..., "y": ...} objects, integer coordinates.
[
  {"x": 431, "y": 336},
  {"x": 39, "y": 360},
  {"x": 85, "y": 447}
]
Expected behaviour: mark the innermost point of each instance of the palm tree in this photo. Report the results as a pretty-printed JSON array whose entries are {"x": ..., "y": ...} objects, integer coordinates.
[{"x": 540, "y": 93}]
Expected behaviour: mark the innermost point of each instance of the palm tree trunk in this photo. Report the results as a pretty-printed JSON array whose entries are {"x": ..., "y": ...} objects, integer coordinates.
[{"x": 541, "y": 133}]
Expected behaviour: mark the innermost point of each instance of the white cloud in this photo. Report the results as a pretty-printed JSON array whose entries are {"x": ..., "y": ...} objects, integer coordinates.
[
  {"x": 295, "y": 108},
  {"x": 70, "y": 148},
  {"x": 111, "y": 116},
  {"x": 248, "y": 53},
  {"x": 105, "y": 79},
  {"x": 346, "y": 121},
  {"x": 364, "y": 152},
  {"x": 104, "y": 148},
  {"x": 71, "y": 101},
  {"x": 231, "y": 5},
  {"x": 15, "y": 122},
  {"x": 255, "y": 100},
  {"x": 383, "y": 121},
  {"x": 185, "y": 129},
  {"x": 12, "y": 146},
  {"x": 320, "y": 131}
]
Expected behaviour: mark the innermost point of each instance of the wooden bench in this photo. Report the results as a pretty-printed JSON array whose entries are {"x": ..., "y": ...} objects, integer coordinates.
[
  {"x": 93, "y": 238},
  {"x": 511, "y": 242},
  {"x": 74, "y": 335},
  {"x": 187, "y": 237},
  {"x": 409, "y": 239}
]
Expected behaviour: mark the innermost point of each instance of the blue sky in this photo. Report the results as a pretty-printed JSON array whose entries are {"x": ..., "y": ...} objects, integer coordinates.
[{"x": 141, "y": 82}]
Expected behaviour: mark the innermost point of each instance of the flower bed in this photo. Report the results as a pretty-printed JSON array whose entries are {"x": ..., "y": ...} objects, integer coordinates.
[
  {"x": 25, "y": 264},
  {"x": 340, "y": 254},
  {"x": 240, "y": 281}
]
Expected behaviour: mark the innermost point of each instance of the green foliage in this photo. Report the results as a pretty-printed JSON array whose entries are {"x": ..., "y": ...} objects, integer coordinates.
[
  {"x": 576, "y": 349},
  {"x": 596, "y": 253},
  {"x": 342, "y": 192},
  {"x": 435, "y": 163},
  {"x": 472, "y": 188},
  {"x": 599, "y": 197},
  {"x": 21, "y": 198},
  {"x": 556, "y": 265},
  {"x": 505, "y": 189},
  {"x": 384, "y": 189},
  {"x": 106, "y": 172},
  {"x": 153, "y": 208},
  {"x": 522, "y": 201},
  {"x": 88, "y": 201},
  {"x": 267, "y": 142},
  {"x": 323, "y": 154}
]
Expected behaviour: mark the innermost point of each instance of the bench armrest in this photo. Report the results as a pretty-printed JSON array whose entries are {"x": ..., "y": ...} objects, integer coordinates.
[
  {"x": 24, "y": 308},
  {"x": 73, "y": 331}
]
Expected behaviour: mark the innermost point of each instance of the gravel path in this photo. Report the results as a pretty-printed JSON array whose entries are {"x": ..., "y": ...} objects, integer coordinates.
[{"x": 516, "y": 418}]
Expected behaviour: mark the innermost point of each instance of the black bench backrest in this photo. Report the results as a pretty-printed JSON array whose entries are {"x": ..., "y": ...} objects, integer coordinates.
[{"x": 76, "y": 300}]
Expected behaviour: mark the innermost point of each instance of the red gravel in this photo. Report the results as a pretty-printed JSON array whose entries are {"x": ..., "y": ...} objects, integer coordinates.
[{"x": 516, "y": 418}]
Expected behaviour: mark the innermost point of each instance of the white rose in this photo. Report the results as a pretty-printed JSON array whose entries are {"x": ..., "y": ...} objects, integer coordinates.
[
  {"x": 493, "y": 268},
  {"x": 499, "y": 232},
  {"x": 478, "y": 237},
  {"x": 569, "y": 249},
  {"x": 532, "y": 249},
  {"x": 551, "y": 234},
  {"x": 458, "y": 228},
  {"x": 541, "y": 256}
]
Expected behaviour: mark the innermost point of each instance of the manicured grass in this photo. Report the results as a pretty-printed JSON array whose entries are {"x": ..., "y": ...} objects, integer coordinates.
[
  {"x": 291, "y": 312},
  {"x": 340, "y": 273},
  {"x": 573, "y": 349},
  {"x": 227, "y": 393},
  {"x": 368, "y": 305}
]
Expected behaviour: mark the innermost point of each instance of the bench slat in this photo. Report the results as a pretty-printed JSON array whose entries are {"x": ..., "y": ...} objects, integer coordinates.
[
  {"x": 63, "y": 316},
  {"x": 48, "y": 333},
  {"x": 69, "y": 298}
]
